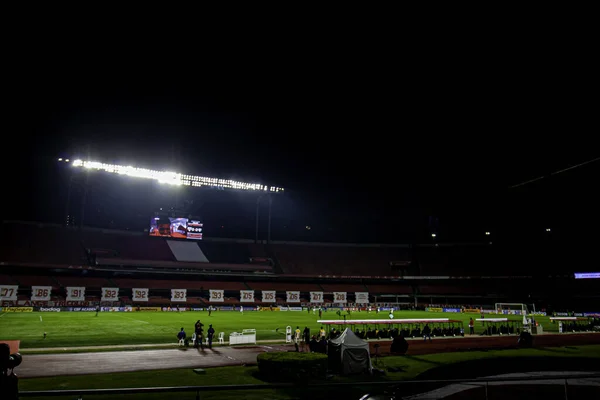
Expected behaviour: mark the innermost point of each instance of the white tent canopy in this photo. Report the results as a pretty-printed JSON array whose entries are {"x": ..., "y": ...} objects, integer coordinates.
[{"x": 353, "y": 352}]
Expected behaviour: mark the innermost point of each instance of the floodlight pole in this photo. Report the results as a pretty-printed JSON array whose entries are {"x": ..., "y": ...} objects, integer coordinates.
[{"x": 257, "y": 214}]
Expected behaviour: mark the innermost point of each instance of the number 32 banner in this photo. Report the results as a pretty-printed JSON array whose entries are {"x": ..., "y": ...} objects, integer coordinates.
[
  {"x": 316, "y": 297},
  {"x": 293, "y": 297},
  {"x": 179, "y": 295},
  {"x": 75, "y": 293},
  {"x": 247, "y": 296},
  {"x": 8, "y": 292},
  {"x": 216, "y": 296},
  {"x": 40, "y": 293},
  {"x": 339, "y": 297},
  {"x": 139, "y": 294},
  {"x": 110, "y": 294}
]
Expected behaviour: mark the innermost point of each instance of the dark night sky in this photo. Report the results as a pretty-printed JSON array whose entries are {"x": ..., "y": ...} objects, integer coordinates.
[{"x": 373, "y": 142}]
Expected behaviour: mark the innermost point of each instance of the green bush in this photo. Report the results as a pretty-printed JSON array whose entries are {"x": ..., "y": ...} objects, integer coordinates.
[{"x": 292, "y": 366}]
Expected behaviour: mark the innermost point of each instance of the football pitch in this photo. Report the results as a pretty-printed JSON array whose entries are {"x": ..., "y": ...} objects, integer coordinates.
[{"x": 71, "y": 329}]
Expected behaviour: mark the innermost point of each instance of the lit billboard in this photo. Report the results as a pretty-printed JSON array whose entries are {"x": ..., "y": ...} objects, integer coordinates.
[{"x": 178, "y": 228}]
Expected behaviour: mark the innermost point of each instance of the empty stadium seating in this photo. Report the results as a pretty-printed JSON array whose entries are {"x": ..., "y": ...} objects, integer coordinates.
[
  {"x": 83, "y": 281},
  {"x": 226, "y": 252},
  {"x": 389, "y": 289},
  {"x": 303, "y": 287},
  {"x": 327, "y": 287},
  {"x": 7, "y": 280},
  {"x": 35, "y": 280},
  {"x": 339, "y": 260}
]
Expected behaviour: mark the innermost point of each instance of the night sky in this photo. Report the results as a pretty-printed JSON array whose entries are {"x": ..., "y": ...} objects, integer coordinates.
[{"x": 371, "y": 150}]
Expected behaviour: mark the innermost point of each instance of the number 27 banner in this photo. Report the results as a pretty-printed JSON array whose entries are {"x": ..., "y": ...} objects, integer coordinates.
[{"x": 316, "y": 297}]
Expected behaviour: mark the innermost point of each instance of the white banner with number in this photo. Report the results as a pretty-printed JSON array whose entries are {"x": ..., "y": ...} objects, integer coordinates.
[
  {"x": 40, "y": 293},
  {"x": 316, "y": 297},
  {"x": 268, "y": 296},
  {"x": 8, "y": 292},
  {"x": 293, "y": 297},
  {"x": 75, "y": 293},
  {"x": 110, "y": 294},
  {"x": 339, "y": 297},
  {"x": 179, "y": 295},
  {"x": 361, "y": 297},
  {"x": 139, "y": 294},
  {"x": 247, "y": 296},
  {"x": 216, "y": 296}
]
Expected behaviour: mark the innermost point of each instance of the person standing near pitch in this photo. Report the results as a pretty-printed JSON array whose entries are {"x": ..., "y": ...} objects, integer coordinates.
[{"x": 97, "y": 309}]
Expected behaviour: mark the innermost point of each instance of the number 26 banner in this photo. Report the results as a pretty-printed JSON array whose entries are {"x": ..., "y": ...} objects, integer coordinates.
[
  {"x": 293, "y": 297},
  {"x": 316, "y": 297},
  {"x": 179, "y": 295},
  {"x": 8, "y": 292},
  {"x": 339, "y": 297},
  {"x": 110, "y": 294},
  {"x": 139, "y": 294},
  {"x": 40, "y": 293},
  {"x": 247, "y": 296},
  {"x": 75, "y": 293}
]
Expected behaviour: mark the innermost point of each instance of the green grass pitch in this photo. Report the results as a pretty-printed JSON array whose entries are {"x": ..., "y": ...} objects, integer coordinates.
[{"x": 70, "y": 329}]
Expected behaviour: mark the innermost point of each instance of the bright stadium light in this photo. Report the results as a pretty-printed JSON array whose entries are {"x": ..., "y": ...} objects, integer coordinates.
[
  {"x": 174, "y": 178},
  {"x": 487, "y": 234},
  {"x": 433, "y": 235}
]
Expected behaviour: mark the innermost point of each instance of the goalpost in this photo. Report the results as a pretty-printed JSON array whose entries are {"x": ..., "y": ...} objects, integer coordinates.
[{"x": 521, "y": 307}]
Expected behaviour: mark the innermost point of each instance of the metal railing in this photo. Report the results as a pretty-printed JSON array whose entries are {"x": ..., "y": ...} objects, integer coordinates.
[{"x": 305, "y": 387}]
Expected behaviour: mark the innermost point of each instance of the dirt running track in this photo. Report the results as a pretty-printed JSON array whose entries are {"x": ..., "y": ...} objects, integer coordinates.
[{"x": 143, "y": 360}]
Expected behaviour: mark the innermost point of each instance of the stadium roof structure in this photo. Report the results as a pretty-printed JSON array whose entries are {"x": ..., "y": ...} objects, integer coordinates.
[{"x": 172, "y": 178}]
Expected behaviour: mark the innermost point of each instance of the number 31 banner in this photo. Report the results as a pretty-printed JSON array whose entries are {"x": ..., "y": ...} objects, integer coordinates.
[
  {"x": 110, "y": 294},
  {"x": 40, "y": 293},
  {"x": 8, "y": 292},
  {"x": 316, "y": 297},
  {"x": 339, "y": 297},
  {"x": 75, "y": 293},
  {"x": 247, "y": 296},
  {"x": 179, "y": 295},
  {"x": 293, "y": 297},
  {"x": 216, "y": 296},
  {"x": 139, "y": 294}
]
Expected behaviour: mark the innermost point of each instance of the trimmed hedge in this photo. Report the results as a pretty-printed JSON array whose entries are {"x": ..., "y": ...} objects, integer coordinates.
[{"x": 292, "y": 366}]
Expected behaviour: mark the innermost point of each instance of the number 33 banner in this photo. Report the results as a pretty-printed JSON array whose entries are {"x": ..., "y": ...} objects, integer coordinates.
[
  {"x": 75, "y": 293},
  {"x": 179, "y": 295},
  {"x": 40, "y": 293},
  {"x": 139, "y": 294},
  {"x": 110, "y": 294}
]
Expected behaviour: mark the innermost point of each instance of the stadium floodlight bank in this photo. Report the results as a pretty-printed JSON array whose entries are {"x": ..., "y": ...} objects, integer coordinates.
[{"x": 174, "y": 178}]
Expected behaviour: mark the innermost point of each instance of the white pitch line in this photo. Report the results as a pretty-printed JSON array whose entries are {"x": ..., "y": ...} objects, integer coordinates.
[
  {"x": 40, "y": 318},
  {"x": 3, "y": 314}
]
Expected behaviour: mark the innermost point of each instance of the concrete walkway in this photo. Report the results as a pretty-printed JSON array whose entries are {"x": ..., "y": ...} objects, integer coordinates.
[{"x": 38, "y": 365}]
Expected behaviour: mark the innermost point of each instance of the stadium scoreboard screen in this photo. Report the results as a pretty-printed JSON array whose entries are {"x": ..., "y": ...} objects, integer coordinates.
[{"x": 178, "y": 228}]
